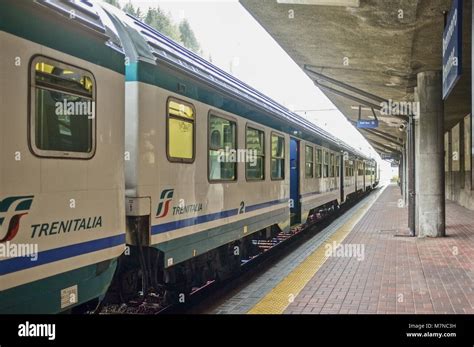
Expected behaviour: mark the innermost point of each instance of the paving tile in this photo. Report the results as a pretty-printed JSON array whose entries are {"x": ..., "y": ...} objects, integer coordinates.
[{"x": 402, "y": 274}]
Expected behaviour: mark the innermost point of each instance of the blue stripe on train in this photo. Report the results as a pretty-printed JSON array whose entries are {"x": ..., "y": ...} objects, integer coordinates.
[
  {"x": 183, "y": 223},
  {"x": 52, "y": 255}
]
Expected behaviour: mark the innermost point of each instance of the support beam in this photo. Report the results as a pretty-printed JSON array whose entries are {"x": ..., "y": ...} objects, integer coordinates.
[
  {"x": 344, "y": 85},
  {"x": 430, "y": 205},
  {"x": 387, "y": 135},
  {"x": 348, "y": 96},
  {"x": 383, "y": 146},
  {"x": 382, "y": 136},
  {"x": 360, "y": 92},
  {"x": 385, "y": 150}
]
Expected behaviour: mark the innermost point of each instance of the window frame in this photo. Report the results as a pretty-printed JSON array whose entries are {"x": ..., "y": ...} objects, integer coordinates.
[
  {"x": 319, "y": 164},
  {"x": 273, "y": 133},
  {"x": 31, "y": 126},
  {"x": 326, "y": 163},
  {"x": 168, "y": 116},
  {"x": 332, "y": 165},
  {"x": 230, "y": 119},
  {"x": 306, "y": 162},
  {"x": 264, "y": 163}
]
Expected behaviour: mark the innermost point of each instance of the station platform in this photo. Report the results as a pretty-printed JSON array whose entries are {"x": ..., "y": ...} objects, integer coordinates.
[{"x": 378, "y": 270}]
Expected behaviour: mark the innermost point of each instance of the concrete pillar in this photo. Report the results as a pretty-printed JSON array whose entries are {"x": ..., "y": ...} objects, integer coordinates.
[
  {"x": 430, "y": 204},
  {"x": 417, "y": 154}
]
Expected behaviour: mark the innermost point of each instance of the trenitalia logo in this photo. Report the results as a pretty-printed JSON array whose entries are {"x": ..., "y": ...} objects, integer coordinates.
[
  {"x": 164, "y": 205},
  {"x": 11, "y": 211}
]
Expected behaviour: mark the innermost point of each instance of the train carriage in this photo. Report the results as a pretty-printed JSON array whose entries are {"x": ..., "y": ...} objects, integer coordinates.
[
  {"x": 320, "y": 178},
  {"x": 62, "y": 224},
  {"x": 192, "y": 211}
]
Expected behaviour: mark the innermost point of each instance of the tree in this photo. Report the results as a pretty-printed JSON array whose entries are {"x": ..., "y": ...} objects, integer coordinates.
[
  {"x": 131, "y": 10},
  {"x": 158, "y": 20},
  {"x": 113, "y": 3},
  {"x": 187, "y": 36}
]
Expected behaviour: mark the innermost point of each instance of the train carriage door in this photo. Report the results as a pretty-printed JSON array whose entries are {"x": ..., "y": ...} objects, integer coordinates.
[
  {"x": 295, "y": 207},
  {"x": 356, "y": 173},
  {"x": 342, "y": 174},
  {"x": 365, "y": 175}
]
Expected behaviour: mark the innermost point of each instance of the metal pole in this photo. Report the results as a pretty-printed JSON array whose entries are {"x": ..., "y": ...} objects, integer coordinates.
[{"x": 411, "y": 176}]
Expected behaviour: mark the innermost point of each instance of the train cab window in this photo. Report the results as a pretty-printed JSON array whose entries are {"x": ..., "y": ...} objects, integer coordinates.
[
  {"x": 222, "y": 149},
  {"x": 62, "y": 117},
  {"x": 309, "y": 162},
  {"x": 278, "y": 157},
  {"x": 255, "y": 161},
  {"x": 319, "y": 163},
  {"x": 180, "y": 131},
  {"x": 326, "y": 164}
]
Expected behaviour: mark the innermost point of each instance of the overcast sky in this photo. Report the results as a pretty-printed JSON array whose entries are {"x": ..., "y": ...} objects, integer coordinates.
[{"x": 237, "y": 44}]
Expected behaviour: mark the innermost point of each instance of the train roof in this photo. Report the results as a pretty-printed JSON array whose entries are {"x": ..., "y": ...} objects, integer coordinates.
[
  {"x": 78, "y": 28},
  {"x": 88, "y": 15},
  {"x": 152, "y": 47}
]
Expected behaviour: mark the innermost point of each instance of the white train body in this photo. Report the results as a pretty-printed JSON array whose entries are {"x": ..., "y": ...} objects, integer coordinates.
[{"x": 63, "y": 207}]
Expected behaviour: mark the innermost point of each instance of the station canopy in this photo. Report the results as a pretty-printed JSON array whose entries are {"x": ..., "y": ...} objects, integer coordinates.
[{"x": 376, "y": 49}]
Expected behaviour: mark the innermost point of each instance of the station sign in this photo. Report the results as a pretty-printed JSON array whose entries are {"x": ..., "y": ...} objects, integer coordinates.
[
  {"x": 386, "y": 156},
  {"x": 394, "y": 164},
  {"x": 452, "y": 48},
  {"x": 367, "y": 123}
]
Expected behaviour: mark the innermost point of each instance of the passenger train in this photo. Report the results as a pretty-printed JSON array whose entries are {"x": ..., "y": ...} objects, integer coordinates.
[{"x": 116, "y": 161}]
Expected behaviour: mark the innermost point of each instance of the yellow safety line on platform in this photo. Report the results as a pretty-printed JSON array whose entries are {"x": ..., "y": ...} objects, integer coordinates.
[{"x": 280, "y": 297}]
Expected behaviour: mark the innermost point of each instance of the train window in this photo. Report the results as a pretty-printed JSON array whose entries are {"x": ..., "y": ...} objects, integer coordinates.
[
  {"x": 331, "y": 165},
  {"x": 180, "y": 131},
  {"x": 278, "y": 157},
  {"x": 222, "y": 149},
  {"x": 349, "y": 169},
  {"x": 62, "y": 117},
  {"x": 326, "y": 164},
  {"x": 309, "y": 162},
  {"x": 319, "y": 163},
  {"x": 255, "y": 162},
  {"x": 338, "y": 160}
]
